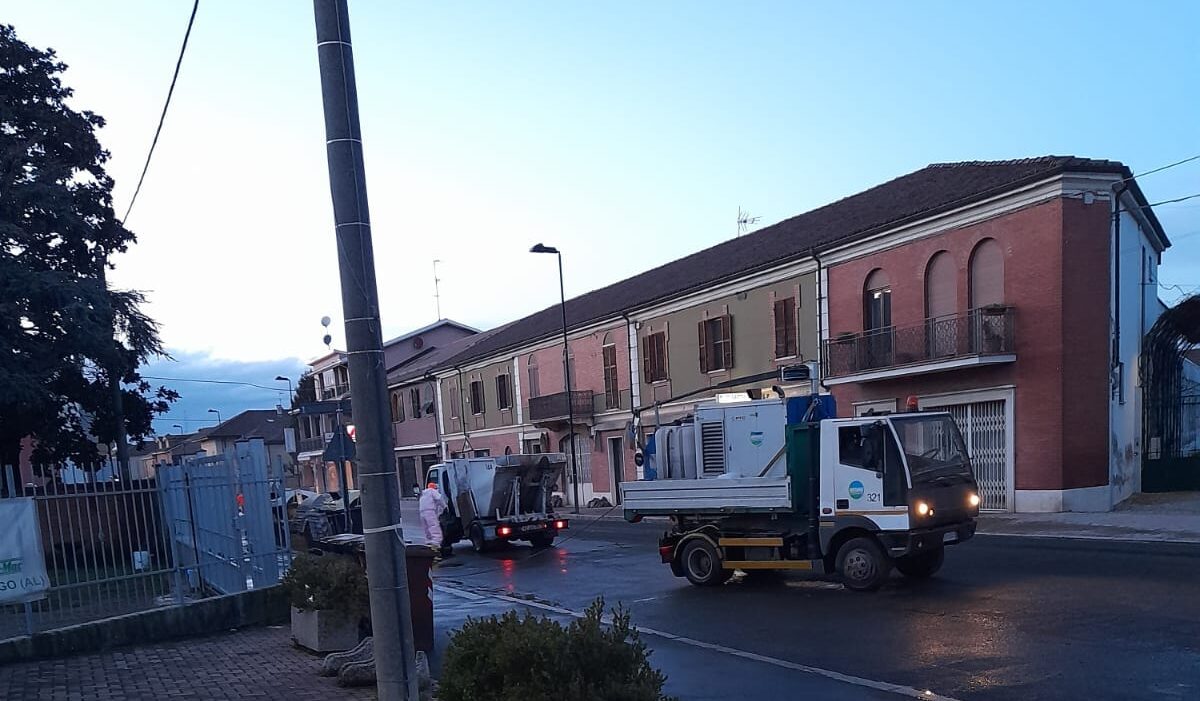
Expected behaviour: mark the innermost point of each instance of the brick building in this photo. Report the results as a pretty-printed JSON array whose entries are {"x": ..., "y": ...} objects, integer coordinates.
[{"x": 1013, "y": 294}]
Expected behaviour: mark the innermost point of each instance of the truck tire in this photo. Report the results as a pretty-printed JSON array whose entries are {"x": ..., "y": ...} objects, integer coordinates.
[
  {"x": 863, "y": 564},
  {"x": 921, "y": 566},
  {"x": 701, "y": 564},
  {"x": 478, "y": 541},
  {"x": 542, "y": 540}
]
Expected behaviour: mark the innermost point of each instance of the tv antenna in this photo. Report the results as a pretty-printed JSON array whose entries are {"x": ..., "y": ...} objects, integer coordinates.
[
  {"x": 437, "y": 296},
  {"x": 745, "y": 221}
]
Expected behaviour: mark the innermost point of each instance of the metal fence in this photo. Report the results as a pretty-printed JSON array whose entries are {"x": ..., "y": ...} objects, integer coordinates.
[{"x": 210, "y": 526}]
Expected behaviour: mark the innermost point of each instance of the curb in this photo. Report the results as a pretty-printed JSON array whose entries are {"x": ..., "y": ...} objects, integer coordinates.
[
  {"x": 1095, "y": 537},
  {"x": 1141, "y": 538}
]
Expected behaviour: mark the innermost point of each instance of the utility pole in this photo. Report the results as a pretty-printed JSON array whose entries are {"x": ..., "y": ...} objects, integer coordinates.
[
  {"x": 391, "y": 618},
  {"x": 114, "y": 385}
]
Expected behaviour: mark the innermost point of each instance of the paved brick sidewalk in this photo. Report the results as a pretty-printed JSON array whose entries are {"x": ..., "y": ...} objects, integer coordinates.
[{"x": 255, "y": 663}]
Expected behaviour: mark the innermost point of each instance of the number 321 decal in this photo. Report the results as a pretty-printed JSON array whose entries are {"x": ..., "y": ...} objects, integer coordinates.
[{"x": 873, "y": 496}]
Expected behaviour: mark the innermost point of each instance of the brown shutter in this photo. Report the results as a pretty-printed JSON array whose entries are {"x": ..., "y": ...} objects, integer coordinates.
[
  {"x": 779, "y": 316},
  {"x": 646, "y": 365},
  {"x": 727, "y": 337},
  {"x": 703, "y": 327}
]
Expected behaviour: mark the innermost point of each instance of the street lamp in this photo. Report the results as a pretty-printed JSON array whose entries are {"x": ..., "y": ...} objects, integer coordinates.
[
  {"x": 562, "y": 295},
  {"x": 214, "y": 411},
  {"x": 178, "y": 426},
  {"x": 291, "y": 392}
]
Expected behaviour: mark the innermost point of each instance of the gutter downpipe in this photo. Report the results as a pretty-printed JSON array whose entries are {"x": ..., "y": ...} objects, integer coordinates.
[
  {"x": 1118, "y": 190},
  {"x": 462, "y": 410},
  {"x": 634, "y": 411},
  {"x": 820, "y": 315}
]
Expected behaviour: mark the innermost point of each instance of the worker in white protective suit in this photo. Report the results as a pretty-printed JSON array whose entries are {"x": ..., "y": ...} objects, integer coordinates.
[{"x": 431, "y": 505}]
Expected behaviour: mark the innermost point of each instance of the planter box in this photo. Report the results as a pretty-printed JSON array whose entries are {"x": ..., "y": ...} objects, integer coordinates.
[{"x": 324, "y": 631}]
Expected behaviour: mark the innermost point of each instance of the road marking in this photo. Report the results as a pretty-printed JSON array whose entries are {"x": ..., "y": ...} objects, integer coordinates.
[{"x": 735, "y": 652}]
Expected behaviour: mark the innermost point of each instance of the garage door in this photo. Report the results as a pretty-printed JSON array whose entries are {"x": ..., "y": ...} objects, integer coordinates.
[{"x": 984, "y": 426}]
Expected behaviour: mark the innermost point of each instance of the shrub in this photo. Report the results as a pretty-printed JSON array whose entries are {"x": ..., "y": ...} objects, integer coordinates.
[
  {"x": 528, "y": 658},
  {"x": 327, "y": 583}
]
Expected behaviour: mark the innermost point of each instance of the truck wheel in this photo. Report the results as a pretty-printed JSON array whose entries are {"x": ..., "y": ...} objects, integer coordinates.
[
  {"x": 477, "y": 540},
  {"x": 542, "y": 540},
  {"x": 863, "y": 565},
  {"x": 921, "y": 566},
  {"x": 701, "y": 564}
]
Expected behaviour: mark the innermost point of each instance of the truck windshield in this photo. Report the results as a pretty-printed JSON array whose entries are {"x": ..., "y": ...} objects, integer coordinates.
[{"x": 931, "y": 444}]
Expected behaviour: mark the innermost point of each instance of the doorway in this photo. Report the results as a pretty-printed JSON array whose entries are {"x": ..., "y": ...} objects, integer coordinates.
[{"x": 616, "y": 461}]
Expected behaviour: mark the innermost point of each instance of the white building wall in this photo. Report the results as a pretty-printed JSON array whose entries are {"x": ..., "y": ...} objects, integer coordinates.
[{"x": 1139, "y": 309}]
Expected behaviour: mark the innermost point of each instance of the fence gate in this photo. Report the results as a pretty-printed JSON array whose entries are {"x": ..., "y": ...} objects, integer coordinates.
[
  {"x": 984, "y": 427},
  {"x": 224, "y": 519}
]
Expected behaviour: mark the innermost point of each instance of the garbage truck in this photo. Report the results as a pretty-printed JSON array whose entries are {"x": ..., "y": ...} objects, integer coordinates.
[
  {"x": 781, "y": 484},
  {"x": 499, "y": 499}
]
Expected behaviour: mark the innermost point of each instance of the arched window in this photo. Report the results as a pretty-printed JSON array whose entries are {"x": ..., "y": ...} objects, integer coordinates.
[
  {"x": 987, "y": 274},
  {"x": 531, "y": 367},
  {"x": 877, "y": 301},
  {"x": 941, "y": 286},
  {"x": 877, "y": 320},
  {"x": 990, "y": 331},
  {"x": 941, "y": 306}
]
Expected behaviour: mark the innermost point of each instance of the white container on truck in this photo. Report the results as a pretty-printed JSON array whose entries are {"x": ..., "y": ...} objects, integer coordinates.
[
  {"x": 500, "y": 499},
  {"x": 857, "y": 496}
]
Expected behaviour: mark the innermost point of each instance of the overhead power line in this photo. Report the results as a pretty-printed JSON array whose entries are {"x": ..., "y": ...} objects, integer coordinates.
[
  {"x": 214, "y": 382},
  {"x": 1162, "y": 168},
  {"x": 162, "y": 118},
  {"x": 1177, "y": 199}
]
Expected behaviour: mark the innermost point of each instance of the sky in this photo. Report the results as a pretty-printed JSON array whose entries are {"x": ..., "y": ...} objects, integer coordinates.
[{"x": 625, "y": 133}]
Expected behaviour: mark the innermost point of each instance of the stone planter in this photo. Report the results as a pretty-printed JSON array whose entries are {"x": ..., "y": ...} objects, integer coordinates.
[{"x": 324, "y": 631}]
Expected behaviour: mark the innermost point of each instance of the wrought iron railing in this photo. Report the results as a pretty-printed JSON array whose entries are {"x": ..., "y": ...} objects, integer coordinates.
[
  {"x": 338, "y": 390},
  {"x": 555, "y": 407},
  {"x": 984, "y": 331},
  {"x": 309, "y": 444}
]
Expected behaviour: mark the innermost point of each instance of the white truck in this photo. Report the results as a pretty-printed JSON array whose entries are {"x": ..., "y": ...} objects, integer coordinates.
[
  {"x": 759, "y": 485},
  {"x": 499, "y": 499}
]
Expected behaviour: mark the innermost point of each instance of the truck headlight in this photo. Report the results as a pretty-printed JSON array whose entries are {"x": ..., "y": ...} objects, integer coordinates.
[
  {"x": 973, "y": 500},
  {"x": 923, "y": 509}
]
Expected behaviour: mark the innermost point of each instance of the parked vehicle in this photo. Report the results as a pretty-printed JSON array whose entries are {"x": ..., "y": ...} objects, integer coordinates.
[
  {"x": 323, "y": 515},
  {"x": 499, "y": 499},
  {"x": 769, "y": 485}
]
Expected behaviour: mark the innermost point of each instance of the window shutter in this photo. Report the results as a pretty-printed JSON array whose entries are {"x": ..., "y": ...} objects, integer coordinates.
[
  {"x": 646, "y": 365},
  {"x": 779, "y": 316},
  {"x": 703, "y": 327},
  {"x": 727, "y": 338}
]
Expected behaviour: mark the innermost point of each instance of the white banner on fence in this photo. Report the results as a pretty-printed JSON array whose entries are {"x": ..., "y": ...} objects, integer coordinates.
[{"x": 22, "y": 565}]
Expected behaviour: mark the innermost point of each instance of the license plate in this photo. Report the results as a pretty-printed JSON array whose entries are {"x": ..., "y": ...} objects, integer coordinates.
[
  {"x": 535, "y": 527},
  {"x": 950, "y": 537}
]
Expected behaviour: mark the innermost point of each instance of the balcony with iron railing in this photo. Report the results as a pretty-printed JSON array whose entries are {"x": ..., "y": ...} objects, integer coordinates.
[
  {"x": 552, "y": 409},
  {"x": 981, "y": 336},
  {"x": 335, "y": 391},
  {"x": 308, "y": 445}
]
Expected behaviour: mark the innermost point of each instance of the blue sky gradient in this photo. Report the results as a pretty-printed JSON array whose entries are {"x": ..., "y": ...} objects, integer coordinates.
[{"x": 627, "y": 134}]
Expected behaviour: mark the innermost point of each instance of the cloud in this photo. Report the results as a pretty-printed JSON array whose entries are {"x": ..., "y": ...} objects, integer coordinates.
[{"x": 199, "y": 378}]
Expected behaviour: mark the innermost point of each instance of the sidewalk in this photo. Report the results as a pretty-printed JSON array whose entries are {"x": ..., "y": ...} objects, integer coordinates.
[{"x": 1171, "y": 517}]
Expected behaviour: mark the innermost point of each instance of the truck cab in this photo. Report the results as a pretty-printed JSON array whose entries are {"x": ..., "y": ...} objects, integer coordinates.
[
  {"x": 755, "y": 487},
  {"x": 902, "y": 480}
]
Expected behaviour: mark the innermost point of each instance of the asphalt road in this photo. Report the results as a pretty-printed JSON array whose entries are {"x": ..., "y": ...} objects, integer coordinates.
[{"x": 1006, "y": 618}]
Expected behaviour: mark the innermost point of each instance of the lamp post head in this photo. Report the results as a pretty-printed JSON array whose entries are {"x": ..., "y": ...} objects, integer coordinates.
[
  {"x": 213, "y": 411},
  {"x": 281, "y": 378},
  {"x": 543, "y": 248}
]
